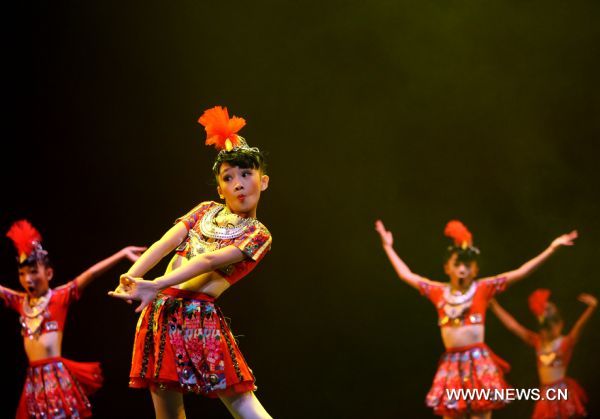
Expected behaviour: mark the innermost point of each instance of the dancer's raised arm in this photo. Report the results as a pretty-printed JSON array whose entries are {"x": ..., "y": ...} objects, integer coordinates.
[
  {"x": 403, "y": 271},
  {"x": 511, "y": 323},
  {"x": 592, "y": 303},
  {"x": 131, "y": 253},
  {"x": 528, "y": 267}
]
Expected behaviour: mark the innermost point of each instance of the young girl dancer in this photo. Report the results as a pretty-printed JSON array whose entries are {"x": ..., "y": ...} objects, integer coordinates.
[
  {"x": 183, "y": 343},
  {"x": 553, "y": 351},
  {"x": 468, "y": 363},
  {"x": 54, "y": 386}
]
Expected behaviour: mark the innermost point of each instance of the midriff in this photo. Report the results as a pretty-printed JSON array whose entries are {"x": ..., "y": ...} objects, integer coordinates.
[
  {"x": 211, "y": 283},
  {"x": 459, "y": 336},
  {"x": 46, "y": 345}
]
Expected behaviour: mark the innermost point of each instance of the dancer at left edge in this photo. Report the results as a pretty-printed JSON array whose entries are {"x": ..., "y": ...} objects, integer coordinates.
[{"x": 55, "y": 387}]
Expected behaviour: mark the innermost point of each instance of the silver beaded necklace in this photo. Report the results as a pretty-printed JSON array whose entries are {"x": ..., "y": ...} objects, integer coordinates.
[
  {"x": 211, "y": 229},
  {"x": 33, "y": 315},
  {"x": 457, "y": 303},
  {"x": 456, "y": 297}
]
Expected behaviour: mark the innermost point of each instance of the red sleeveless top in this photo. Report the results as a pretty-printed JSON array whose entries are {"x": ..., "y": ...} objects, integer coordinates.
[
  {"x": 557, "y": 355},
  {"x": 462, "y": 309},
  {"x": 53, "y": 316},
  {"x": 254, "y": 241}
]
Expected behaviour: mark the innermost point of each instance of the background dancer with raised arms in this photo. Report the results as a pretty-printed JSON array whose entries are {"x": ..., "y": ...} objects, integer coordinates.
[{"x": 468, "y": 362}]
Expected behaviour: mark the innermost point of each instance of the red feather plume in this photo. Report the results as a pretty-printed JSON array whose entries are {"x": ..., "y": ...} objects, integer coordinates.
[
  {"x": 459, "y": 233},
  {"x": 220, "y": 128},
  {"x": 538, "y": 300},
  {"x": 23, "y": 235}
]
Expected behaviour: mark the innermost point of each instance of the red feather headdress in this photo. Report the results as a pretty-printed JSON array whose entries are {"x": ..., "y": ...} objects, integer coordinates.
[
  {"x": 25, "y": 238},
  {"x": 538, "y": 301},
  {"x": 221, "y": 131},
  {"x": 459, "y": 233}
]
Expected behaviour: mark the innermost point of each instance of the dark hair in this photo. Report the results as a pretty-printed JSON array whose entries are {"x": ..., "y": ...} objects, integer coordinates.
[
  {"x": 34, "y": 258},
  {"x": 551, "y": 316},
  {"x": 243, "y": 157},
  {"x": 463, "y": 254}
]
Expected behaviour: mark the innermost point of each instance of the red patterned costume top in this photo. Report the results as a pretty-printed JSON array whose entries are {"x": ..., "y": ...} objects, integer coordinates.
[
  {"x": 462, "y": 309},
  {"x": 254, "y": 240},
  {"x": 54, "y": 315},
  {"x": 474, "y": 366},
  {"x": 183, "y": 342},
  {"x": 557, "y": 355}
]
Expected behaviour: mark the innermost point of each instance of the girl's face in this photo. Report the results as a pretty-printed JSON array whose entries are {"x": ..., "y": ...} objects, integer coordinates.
[
  {"x": 35, "y": 278},
  {"x": 461, "y": 273},
  {"x": 553, "y": 325},
  {"x": 241, "y": 188},
  {"x": 553, "y": 330}
]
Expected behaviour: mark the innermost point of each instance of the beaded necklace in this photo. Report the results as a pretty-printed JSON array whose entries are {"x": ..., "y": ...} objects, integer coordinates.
[
  {"x": 211, "y": 229},
  {"x": 33, "y": 314},
  {"x": 457, "y": 303}
]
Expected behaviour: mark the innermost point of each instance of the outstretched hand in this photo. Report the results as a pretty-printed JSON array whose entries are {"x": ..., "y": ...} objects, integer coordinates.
[
  {"x": 131, "y": 288},
  {"x": 565, "y": 240},
  {"x": 386, "y": 236},
  {"x": 133, "y": 253},
  {"x": 588, "y": 299}
]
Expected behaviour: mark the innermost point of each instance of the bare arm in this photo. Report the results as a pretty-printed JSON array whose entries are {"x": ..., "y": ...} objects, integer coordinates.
[
  {"x": 591, "y": 302},
  {"x": 159, "y": 249},
  {"x": 528, "y": 267},
  {"x": 132, "y": 288},
  {"x": 131, "y": 252},
  {"x": 511, "y": 323},
  {"x": 403, "y": 271},
  {"x": 4, "y": 290},
  {"x": 7, "y": 294},
  {"x": 201, "y": 264}
]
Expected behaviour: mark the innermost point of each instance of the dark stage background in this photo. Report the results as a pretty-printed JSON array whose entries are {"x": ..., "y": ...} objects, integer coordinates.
[{"x": 415, "y": 112}]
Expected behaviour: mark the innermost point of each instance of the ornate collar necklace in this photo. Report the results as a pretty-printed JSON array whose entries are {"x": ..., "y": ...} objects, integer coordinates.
[
  {"x": 211, "y": 229},
  {"x": 456, "y": 298},
  {"x": 33, "y": 314}
]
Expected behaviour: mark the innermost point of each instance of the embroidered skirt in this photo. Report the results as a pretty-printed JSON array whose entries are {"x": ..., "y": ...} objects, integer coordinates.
[
  {"x": 58, "y": 388},
  {"x": 572, "y": 407},
  {"x": 473, "y": 367},
  {"x": 183, "y": 343}
]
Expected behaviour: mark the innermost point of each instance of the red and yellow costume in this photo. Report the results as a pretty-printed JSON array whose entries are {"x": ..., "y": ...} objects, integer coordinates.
[
  {"x": 54, "y": 387},
  {"x": 182, "y": 340},
  {"x": 558, "y": 355},
  {"x": 474, "y": 367}
]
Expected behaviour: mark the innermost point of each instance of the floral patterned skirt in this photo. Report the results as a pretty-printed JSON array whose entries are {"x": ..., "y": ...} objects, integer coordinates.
[
  {"x": 473, "y": 367},
  {"x": 183, "y": 343},
  {"x": 58, "y": 388},
  {"x": 572, "y": 407}
]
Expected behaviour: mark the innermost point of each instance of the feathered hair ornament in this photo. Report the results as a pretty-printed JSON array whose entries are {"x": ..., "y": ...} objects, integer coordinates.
[
  {"x": 27, "y": 240},
  {"x": 461, "y": 236},
  {"x": 538, "y": 301},
  {"x": 221, "y": 131}
]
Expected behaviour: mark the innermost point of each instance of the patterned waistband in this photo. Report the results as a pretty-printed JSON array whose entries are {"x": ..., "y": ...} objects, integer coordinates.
[
  {"x": 564, "y": 380},
  {"x": 187, "y": 294},
  {"x": 479, "y": 345},
  {"x": 45, "y": 361},
  {"x": 501, "y": 363}
]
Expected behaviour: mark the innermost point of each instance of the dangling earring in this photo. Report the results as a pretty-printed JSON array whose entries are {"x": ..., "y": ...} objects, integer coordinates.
[{"x": 221, "y": 196}]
